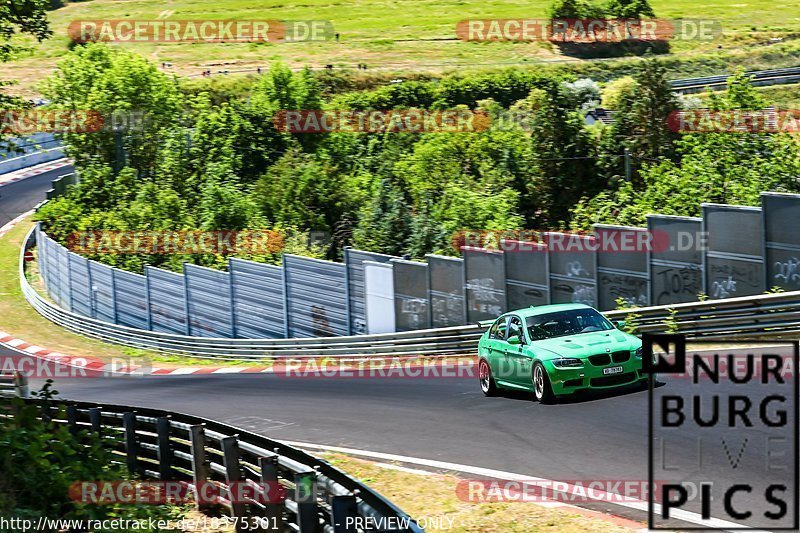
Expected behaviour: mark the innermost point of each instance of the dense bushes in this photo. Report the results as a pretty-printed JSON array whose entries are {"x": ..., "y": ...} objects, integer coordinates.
[{"x": 203, "y": 163}]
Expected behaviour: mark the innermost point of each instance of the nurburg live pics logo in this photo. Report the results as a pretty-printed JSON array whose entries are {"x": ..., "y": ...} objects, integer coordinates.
[{"x": 727, "y": 442}]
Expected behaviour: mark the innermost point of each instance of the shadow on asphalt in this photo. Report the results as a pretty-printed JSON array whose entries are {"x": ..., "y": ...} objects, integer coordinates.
[{"x": 582, "y": 396}]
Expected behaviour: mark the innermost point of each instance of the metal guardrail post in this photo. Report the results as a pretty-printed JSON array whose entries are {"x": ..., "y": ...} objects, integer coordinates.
[
  {"x": 305, "y": 495},
  {"x": 344, "y": 506},
  {"x": 21, "y": 384},
  {"x": 95, "y": 416},
  {"x": 232, "y": 461},
  {"x": 131, "y": 443},
  {"x": 347, "y": 497},
  {"x": 165, "y": 452},
  {"x": 273, "y": 511},
  {"x": 200, "y": 465},
  {"x": 72, "y": 419}
]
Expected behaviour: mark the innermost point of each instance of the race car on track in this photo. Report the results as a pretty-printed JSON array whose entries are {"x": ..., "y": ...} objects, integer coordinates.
[{"x": 557, "y": 350}]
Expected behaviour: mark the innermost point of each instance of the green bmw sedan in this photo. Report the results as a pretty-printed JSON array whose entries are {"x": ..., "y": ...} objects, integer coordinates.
[{"x": 557, "y": 350}]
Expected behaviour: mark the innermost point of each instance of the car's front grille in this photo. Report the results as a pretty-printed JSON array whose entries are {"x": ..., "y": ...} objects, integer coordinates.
[
  {"x": 620, "y": 356},
  {"x": 601, "y": 359},
  {"x": 610, "y": 381}
]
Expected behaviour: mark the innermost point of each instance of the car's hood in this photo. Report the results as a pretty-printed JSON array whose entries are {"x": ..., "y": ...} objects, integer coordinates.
[{"x": 585, "y": 344}]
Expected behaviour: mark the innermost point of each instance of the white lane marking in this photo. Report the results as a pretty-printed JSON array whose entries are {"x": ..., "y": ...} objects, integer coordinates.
[{"x": 678, "y": 514}]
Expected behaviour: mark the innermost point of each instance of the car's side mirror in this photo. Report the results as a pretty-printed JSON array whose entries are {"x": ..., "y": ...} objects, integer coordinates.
[
  {"x": 516, "y": 339},
  {"x": 619, "y": 323}
]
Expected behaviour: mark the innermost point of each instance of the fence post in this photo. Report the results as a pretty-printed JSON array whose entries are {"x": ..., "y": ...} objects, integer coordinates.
[
  {"x": 186, "y": 300},
  {"x": 269, "y": 480},
  {"x": 347, "y": 290},
  {"x": 232, "y": 295},
  {"x": 114, "y": 295},
  {"x": 21, "y": 384},
  {"x": 95, "y": 420},
  {"x": 131, "y": 444},
  {"x": 343, "y": 507},
  {"x": 165, "y": 455},
  {"x": 72, "y": 419},
  {"x": 305, "y": 495},
  {"x": 285, "y": 297},
  {"x": 200, "y": 467},
  {"x": 231, "y": 460}
]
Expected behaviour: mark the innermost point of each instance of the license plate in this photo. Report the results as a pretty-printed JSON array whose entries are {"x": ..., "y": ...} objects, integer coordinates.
[{"x": 612, "y": 370}]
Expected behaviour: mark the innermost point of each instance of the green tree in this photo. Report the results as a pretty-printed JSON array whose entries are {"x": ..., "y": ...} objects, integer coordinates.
[
  {"x": 630, "y": 9},
  {"x": 564, "y": 159},
  {"x": 643, "y": 108},
  {"x": 710, "y": 167},
  {"x": 384, "y": 224},
  {"x": 18, "y": 17},
  {"x": 22, "y": 17},
  {"x": 574, "y": 9},
  {"x": 135, "y": 99}
]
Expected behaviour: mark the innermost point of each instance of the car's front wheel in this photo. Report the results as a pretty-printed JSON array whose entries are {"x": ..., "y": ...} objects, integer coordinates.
[
  {"x": 488, "y": 386},
  {"x": 542, "y": 390}
]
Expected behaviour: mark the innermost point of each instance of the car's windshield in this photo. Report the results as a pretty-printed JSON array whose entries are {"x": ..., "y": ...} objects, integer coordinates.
[{"x": 562, "y": 323}]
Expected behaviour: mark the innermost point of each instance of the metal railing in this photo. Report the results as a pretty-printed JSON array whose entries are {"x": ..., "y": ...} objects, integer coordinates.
[
  {"x": 167, "y": 446},
  {"x": 14, "y": 384},
  {"x": 453, "y": 340},
  {"x": 767, "y": 315},
  {"x": 760, "y": 78}
]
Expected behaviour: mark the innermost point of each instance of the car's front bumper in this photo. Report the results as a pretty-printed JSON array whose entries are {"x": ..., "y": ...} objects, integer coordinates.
[{"x": 589, "y": 376}]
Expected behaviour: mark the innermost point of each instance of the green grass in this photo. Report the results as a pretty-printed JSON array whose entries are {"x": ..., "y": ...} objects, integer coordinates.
[
  {"x": 435, "y": 498},
  {"x": 397, "y": 35},
  {"x": 782, "y": 96}
]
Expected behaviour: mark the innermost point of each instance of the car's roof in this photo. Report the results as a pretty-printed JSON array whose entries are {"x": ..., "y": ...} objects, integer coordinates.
[{"x": 542, "y": 309}]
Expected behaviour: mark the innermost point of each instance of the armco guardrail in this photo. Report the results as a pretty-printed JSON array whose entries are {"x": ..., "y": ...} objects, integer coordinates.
[
  {"x": 168, "y": 446},
  {"x": 460, "y": 339},
  {"x": 767, "y": 315},
  {"x": 760, "y": 78},
  {"x": 762, "y": 315},
  {"x": 14, "y": 384}
]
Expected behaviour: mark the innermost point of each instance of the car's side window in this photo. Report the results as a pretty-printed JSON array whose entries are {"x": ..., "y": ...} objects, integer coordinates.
[
  {"x": 515, "y": 327},
  {"x": 498, "y": 330}
]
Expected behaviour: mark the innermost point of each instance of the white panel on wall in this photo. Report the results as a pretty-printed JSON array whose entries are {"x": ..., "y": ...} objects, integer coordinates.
[{"x": 379, "y": 291}]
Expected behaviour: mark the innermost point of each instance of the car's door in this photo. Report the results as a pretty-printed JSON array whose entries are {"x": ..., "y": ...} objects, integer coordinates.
[
  {"x": 517, "y": 361},
  {"x": 495, "y": 348}
]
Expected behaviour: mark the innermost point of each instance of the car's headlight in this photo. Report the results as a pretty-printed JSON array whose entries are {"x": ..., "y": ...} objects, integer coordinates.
[
  {"x": 639, "y": 351},
  {"x": 567, "y": 362}
]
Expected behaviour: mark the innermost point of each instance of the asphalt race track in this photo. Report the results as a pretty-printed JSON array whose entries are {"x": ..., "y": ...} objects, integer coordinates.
[
  {"x": 599, "y": 437},
  {"x": 444, "y": 419},
  {"x": 20, "y": 196}
]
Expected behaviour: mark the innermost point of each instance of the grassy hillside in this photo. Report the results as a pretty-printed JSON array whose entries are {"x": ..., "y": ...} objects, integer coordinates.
[{"x": 389, "y": 34}]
